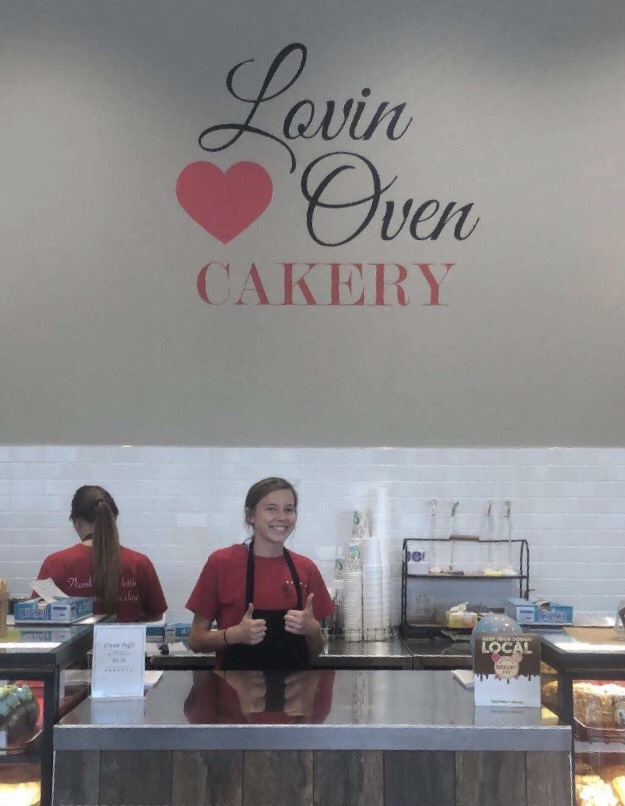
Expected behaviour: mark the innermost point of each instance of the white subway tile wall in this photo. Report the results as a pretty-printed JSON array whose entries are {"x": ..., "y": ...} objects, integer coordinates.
[{"x": 177, "y": 504}]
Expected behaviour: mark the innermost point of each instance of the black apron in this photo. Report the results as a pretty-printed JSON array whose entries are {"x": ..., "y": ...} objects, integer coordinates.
[{"x": 279, "y": 649}]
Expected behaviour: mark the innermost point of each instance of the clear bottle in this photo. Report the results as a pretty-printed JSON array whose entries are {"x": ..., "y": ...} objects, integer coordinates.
[
  {"x": 507, "y": 568},
  {"x": 488, "y": 567},
  {"x": 433, "y": 566}
]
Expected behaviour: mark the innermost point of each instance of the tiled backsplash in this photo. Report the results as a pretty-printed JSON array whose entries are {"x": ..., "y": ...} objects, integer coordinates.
[{"x": 178, "y": 504}]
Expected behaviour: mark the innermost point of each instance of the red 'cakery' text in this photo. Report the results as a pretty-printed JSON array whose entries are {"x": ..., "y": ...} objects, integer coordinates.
[{"x": 323, "y": 284}]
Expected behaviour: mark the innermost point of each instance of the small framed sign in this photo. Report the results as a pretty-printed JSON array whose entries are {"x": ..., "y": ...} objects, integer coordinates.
[
  {"x": 118, "y": 660},
  {"x": 506, "y": 669}
]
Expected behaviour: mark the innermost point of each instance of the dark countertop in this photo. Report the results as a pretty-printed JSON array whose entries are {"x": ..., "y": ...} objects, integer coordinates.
[
  {"x": 584, "y": 650},
  {"x": 45, "y": 646},
  {"x": 319, "y": 709},
  {"x": 395, "y": 653}
]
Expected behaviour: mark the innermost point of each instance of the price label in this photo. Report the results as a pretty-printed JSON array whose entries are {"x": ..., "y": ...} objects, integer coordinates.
[{"x": 118, "y": 660}]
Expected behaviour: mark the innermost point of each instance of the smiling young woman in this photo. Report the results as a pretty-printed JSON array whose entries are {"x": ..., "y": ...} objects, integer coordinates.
[{"x": 267, "y": 601}]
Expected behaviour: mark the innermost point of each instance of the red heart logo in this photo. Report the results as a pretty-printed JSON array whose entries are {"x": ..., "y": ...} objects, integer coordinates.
[{"x": 224, "y": 204}]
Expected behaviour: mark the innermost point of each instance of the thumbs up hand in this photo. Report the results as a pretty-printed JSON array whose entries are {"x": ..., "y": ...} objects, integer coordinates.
[
  {"x": 249, "y": 630},
  {"x": 302, "y": 622}
]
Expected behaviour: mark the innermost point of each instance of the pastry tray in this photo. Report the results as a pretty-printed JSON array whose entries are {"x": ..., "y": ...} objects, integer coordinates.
[{"x": 597, "y": 733}]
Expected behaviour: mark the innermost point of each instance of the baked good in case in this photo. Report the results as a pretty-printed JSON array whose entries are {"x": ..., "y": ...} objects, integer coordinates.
[
  {"x": 21, "y": 794},
  {"x": 615, "y": 775},
  {"x": 549, "y": 693},
  {"x": 591, "y": 790},
  {"x": 597, "y": 705},
  {"x": 19, "y": 711}
]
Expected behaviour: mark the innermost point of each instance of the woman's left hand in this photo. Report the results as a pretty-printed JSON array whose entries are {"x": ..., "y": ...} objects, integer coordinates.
[{"x": 302, "y": 622}]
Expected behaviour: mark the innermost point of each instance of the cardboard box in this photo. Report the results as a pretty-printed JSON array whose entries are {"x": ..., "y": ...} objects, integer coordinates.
[
  {"x": 61, "y": 611},
  {"x": 539, "y": 612}
]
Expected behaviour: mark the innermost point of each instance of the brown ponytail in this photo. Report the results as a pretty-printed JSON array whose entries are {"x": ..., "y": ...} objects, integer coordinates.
[{"x": 96, "y": 506}]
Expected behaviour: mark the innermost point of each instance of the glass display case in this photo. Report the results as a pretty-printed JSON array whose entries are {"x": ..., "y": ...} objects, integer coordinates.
[
  {"x": 584, "y": 682},
  {"x": 33, "y": 696}
]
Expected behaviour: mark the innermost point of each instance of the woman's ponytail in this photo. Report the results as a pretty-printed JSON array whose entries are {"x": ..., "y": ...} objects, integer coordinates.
[
  {"x": 96, "y": 506},
  {"x": 105, "y": 559}
]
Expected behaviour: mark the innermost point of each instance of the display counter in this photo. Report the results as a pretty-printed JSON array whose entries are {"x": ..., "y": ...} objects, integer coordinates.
[
  {"x": 584, "y": 682},
  {"x": 580, "y": 653},
  {"x": 396, "y": 737},
  {"x": 34, "y": 656}
]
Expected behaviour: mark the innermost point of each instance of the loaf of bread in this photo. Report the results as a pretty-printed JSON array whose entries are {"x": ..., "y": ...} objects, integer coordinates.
[{"x": 598, "y": 705}]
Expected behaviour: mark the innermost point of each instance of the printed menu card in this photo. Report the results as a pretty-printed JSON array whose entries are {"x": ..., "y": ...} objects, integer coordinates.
[{"x": 118, "y": 660}]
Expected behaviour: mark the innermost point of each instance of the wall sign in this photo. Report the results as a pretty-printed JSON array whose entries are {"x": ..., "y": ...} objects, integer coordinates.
[{"x": 344, "y": 192}]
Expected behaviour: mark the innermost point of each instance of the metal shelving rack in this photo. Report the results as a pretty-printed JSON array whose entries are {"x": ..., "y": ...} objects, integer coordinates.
[{"x": 522, "y": 577}]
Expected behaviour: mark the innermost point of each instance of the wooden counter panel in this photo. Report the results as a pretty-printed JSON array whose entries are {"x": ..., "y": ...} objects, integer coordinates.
[
  {"x": 207, "y": 777},
  {"x": 77, "y": 778},
  {"x": 549, "y": 778},
  {"x": 135, "y": 777},
  {"x": 348, "y": 778},
  {"x": 423, "y": 778},
  {"x": 272, "y": 777},
  {"x": 496, "y": 779},
  {"x": 311, "y": 778}
]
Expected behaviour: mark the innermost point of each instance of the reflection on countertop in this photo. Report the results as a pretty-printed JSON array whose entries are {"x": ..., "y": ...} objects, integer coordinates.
[{"x": 236, "y": 697}]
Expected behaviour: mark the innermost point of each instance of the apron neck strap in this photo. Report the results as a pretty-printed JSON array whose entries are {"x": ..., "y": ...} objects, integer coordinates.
[{"x": 249, "y": 577}]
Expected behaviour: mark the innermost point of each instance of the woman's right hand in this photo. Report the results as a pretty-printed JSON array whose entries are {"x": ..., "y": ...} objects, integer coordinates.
[{"x": 249, "y": 630}]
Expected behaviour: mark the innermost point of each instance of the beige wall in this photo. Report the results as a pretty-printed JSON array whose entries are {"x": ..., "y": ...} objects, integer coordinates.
[{"x": 517, "y": 108}]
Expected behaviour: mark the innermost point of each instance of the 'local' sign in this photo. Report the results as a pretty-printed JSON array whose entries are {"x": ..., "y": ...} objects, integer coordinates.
[{"x": 507, "y": 670}]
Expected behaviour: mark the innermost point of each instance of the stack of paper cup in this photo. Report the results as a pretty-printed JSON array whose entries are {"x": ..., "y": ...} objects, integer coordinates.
[
  {"x": 380, "y": 514},
  {"x": 339, "y": 564},
  {"x": 387, "y": 584},
  {"x": 395, "y": 592},
  {"x": 372, "y": 585},
  {"x": 381, "y": 532},
  {"x": 352, "y": 593}
]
